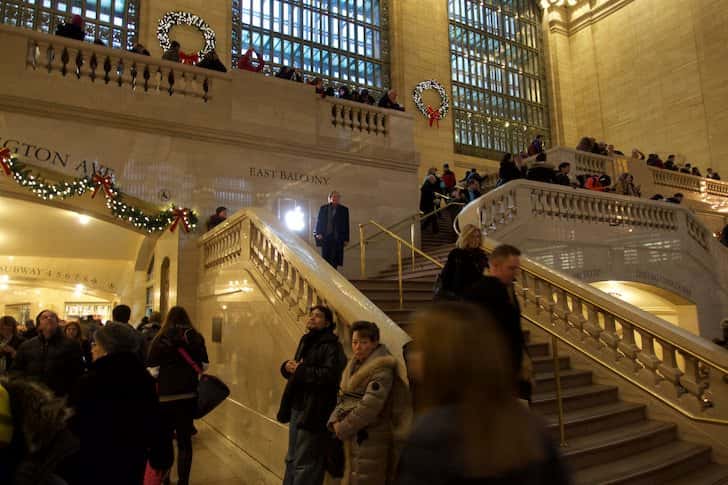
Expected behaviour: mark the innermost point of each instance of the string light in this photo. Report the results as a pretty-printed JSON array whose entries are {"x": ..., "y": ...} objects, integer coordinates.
[{"x": 114, "y": 198}]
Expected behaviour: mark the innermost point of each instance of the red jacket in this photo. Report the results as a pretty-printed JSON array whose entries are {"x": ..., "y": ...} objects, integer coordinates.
[{"x": 448, "y": 178}]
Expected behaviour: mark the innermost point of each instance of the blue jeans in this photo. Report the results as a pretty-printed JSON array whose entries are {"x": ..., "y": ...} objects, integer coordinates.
[{"x": 306, "y": 455}]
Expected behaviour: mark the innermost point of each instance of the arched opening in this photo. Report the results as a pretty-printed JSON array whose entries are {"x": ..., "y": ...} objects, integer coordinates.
[
  {"x": 164, "y": 287},
  {"x": 660, "y": 302},
  {"x": 69, "y": 262}
]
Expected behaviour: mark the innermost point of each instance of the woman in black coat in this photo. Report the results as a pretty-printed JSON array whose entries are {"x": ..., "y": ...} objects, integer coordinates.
[
  {"x": 117, "y": 417},
  {"x": 465, "y": 265},
  {"x": 508, "y": 170},
  {"x": 10, "y": 341},
  {"x": 177, "y": 381}
]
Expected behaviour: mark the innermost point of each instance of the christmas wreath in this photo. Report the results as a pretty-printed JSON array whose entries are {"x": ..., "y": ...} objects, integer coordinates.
[
  {"x": 434, "y": 115},
  {"x": 98, "y": 182},
  {"x": 170, "y": 19}
]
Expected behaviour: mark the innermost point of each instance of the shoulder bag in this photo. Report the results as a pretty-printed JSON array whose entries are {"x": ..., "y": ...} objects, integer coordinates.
[{"x": 211, "y": 391}]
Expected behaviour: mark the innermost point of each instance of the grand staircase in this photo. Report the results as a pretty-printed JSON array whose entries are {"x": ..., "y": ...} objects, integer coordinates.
[{"x": 609, "y": 441}]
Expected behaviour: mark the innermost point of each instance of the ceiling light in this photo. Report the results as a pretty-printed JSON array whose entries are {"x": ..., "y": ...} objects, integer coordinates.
[
  {"x": 83, "y": 219},
  {"x": 79, "y": 289},
  {"x": 4, "y": 278},
  {"x": 3, "y": 287}
]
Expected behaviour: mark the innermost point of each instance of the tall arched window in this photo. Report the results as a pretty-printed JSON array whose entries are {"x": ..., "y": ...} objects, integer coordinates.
[
  {"x": 343, "y": 41},
  {"x": 112, "y": 21},
  {"x": 498, "y": 75}
]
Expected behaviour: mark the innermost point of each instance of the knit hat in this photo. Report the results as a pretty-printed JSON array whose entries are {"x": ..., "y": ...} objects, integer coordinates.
[
  {"x": 77, "y": 20},
  {"x": 116, "y": 338}
]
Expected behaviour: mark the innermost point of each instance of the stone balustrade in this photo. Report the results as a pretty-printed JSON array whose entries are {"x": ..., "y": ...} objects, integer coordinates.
[
  {"x": 294, "y": 272},
  {"x": 681, "y": 369},
  {"x": 585, "y": 163},
  {"x": 98, "y": 64},
  {"x": 60, "y": 78},
  {"x": 687, "y": 182},
  {"x": 358, "y": 116}
]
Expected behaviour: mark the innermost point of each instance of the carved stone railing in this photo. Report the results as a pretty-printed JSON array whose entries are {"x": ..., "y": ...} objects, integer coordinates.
[
  {"x": 115, "y": 67},
  {"x": 586, "y": 163},
  {"x": 294, "y": 272},
  {"x": 692, "y": 183},
  {"x": 358, "y": 116},
  {"x": 679, "y": 368}
]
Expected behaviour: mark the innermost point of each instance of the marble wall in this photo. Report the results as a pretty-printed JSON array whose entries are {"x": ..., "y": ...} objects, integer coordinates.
[{"x": 642, "y": 73}]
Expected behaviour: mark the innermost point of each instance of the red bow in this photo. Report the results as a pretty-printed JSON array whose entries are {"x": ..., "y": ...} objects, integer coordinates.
[
  {"x": 434, "y": 115},
  {"x": 5, "y": 160},
  {"x": 250, "y": 63},
  {"x": 102, "y": 181},
  {"x": 180, "y": 215},
  {"x": 190, "y": 59}
]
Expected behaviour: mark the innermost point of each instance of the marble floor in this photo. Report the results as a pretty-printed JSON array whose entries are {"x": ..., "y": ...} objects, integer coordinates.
[{"x": 217, "y": 461}]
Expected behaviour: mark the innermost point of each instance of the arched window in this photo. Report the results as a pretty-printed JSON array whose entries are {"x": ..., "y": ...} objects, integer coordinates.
[
  {"x": 112, "y": 21},
  {"x": 341, "y": 41},
  {"x": 498, "y": 75}
]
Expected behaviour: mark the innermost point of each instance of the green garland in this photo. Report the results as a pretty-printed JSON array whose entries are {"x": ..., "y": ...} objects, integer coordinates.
[{"x": 45, "y": 190}]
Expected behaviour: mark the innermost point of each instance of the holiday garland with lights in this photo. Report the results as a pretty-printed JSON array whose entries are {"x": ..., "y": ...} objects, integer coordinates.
[
  {"x": 433, "y": 114},
  {"x": 170, "y": 19},
  {"x": 171, "y": 217}
]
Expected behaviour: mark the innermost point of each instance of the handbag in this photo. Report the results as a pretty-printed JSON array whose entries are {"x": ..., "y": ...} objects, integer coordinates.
[
  {"x": 154, "y": 477},
  {"x": 211, "y": 391}
]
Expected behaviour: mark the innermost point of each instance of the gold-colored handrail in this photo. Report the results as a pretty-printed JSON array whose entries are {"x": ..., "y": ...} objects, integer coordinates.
[
  {"x": 413, "y": 248},
  {"x": 413, "y": 218}
]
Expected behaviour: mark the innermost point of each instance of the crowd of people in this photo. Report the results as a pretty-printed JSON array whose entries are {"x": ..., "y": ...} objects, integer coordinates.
[{"x": 98, "y": 403}]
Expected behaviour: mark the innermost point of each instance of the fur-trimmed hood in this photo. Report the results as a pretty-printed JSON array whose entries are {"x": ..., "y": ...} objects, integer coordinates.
[{"x": 379, "y": 360}]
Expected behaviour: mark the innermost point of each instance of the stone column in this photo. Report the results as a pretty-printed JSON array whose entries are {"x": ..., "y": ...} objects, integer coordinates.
[{"x": 217, "y": 14}]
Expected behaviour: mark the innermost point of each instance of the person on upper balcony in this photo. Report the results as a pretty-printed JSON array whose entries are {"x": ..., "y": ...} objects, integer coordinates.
[
  {"x": 536, "y": 145},
  {"x": 686, "y": 169},
  {"x": 562, "y": 175},
  {"x": 332, "y": 230},
  {"x": 637, "y": 154},
  {"x": 212, "y": 61},
  {"x": 172, "y": 54},
  {"x": 670, "y": 163},
  {"x": 675, "y": 199},
  {"x": 598, "y": 183},
  {"x": 508, "y": 170},
  {"x": 449, "y": 180},
  {"x": 140, "y": 49},
  {"x": 625, "y": 186},
  {"x": 653, "y": 160},
  {"x": 586, "y": 144},
  {"x": 695, "y": 172},
  {"x": 217, "y": 218},
  {"x": 712, "y": 175},
  {"x": 72, "y": 29},
  {"x": 541, "y": 171},
  {"x": 389, "y": 101},
  {"x": 366, "y": 98}
]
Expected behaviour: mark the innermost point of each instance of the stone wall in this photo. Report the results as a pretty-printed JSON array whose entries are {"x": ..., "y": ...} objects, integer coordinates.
[{"x": 642, "y": 73}]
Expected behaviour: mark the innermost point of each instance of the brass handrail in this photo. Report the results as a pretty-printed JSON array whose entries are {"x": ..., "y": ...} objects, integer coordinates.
[
  {"x": 413, "y": 217},
  {"x": 415, "y": 249},
  {"x": 622, "y": 374}
]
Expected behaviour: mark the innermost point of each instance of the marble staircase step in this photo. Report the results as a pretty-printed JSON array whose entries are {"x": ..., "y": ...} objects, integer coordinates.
[
  {"x": 581, "y": 422},
  {"x": 614, "y": 444},
  {"x": 546, "y": 381},
  {"x": 546, "y": 363},
  {"x": 654, "y": 466},
  {"x": 574, "y": 398},
  {"x": 712, "y": 474}
]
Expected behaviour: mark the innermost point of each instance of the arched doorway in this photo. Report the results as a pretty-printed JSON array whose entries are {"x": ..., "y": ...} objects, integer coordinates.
[
  {"x": 660, "y": 302},
  {"x": 164, "y": 287}
]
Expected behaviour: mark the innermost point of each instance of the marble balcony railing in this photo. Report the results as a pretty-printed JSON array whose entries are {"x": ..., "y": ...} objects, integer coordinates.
[
  {"x": 144, "y": 74},
  {"x": 683, "y": 370},
  {"x": 295, "y": 273},
  {"x": 65, "y": 79}
]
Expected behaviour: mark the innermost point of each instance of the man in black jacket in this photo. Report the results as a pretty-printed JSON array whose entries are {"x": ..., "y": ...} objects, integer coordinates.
[
  {"x": 332, "y": 230},
  {"x": 495, "y": 294},
  {"x": 310, "y": 397},
  {"x": 50, "y": 357}
]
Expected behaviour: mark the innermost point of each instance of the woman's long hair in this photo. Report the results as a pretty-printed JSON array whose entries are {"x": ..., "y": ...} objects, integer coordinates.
[
  {"x": 176, "y": 317},
  {"x": 9, "y": 321},
  {"x": 79, "y": 336},
  {"x": 466, "y": 362},
  {"x": 470, "y": 238}
]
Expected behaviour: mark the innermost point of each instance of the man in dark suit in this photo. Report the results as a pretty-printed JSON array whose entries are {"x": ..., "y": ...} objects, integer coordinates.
[
  {"x": 332, "y": 230},
  {"x": 495, "y": 294}
]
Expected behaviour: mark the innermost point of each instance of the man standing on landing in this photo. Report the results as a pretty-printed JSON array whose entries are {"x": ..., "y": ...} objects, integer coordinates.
[{"x": 332, "y": 230}]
